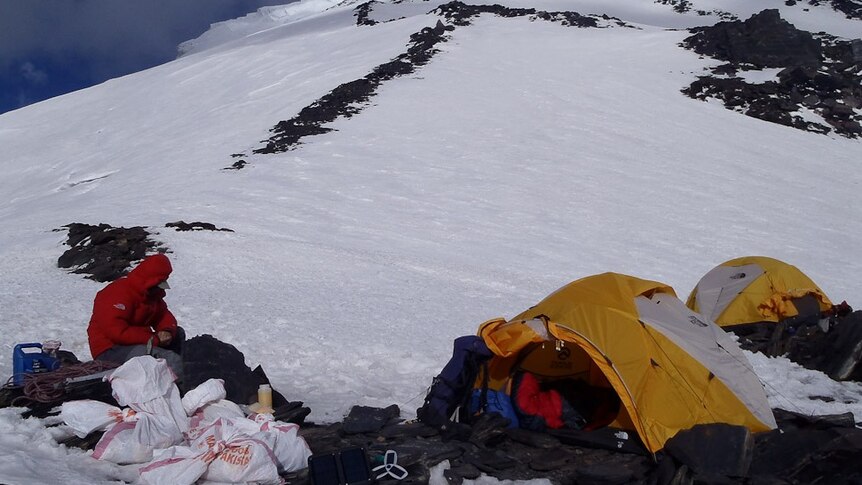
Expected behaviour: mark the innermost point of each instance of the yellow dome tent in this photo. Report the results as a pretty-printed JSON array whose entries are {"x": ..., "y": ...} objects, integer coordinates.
[
  {"x": 755, "y": 289},
  {"x": 671, "y": 368}
]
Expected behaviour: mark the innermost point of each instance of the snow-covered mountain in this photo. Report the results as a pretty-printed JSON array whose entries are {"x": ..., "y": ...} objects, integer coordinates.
[{"x": 521, "y": 153}]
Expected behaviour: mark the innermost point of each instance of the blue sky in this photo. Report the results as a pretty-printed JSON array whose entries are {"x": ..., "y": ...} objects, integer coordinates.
[{"x": 52, "y": 47}]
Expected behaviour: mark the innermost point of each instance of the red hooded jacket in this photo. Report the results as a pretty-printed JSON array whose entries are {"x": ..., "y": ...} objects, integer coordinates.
[{"x": 129, "y": 311}]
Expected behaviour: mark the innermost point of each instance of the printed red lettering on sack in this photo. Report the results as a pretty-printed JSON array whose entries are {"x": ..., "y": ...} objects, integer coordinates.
[
  {"x": 240, "y": 456},
  {"x": 209, "y": 456}
]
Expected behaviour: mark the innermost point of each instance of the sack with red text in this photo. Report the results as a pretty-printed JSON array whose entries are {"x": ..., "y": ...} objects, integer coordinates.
[
  {"x": 86, "y": 415},
  {"x": 238, "y": 457},
  {"x": 177, "y": 465}
]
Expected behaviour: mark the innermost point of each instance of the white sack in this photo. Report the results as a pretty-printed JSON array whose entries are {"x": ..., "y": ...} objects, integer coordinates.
[
  {"x": 159, "y": 430},
  {"x": 239, "y": 458},
  {"x": 208, "y": 392},
  {"x": 291, "y": 451},
  {"x": 141, "y": 379},
  {"x": 210, "y": 413},
  {"x": 146, "y": 385},
  {"x": 244, "y": 460},
  {"x": 87, "y": 415},
  {"x": 177, "y": 465},
  {"x": 119, "y": 445},
  {"x": 248, "y": 453}
]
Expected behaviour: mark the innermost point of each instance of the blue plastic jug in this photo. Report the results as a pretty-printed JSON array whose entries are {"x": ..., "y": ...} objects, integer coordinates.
[{"x": 30, "y": 359}]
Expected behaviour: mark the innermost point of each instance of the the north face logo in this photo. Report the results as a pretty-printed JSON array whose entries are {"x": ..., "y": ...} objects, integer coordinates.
[
  {"x": 120, "y": 306},
  {"x": 696, "y": 321}
]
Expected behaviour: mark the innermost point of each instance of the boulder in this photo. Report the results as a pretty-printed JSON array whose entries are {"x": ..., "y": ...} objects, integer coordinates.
[
  {"x": 836, "y": 352},
  {"x": 364, "y": 419},
  {"x": 764, "y": 40},
  {"x": 714, "y": 450}
]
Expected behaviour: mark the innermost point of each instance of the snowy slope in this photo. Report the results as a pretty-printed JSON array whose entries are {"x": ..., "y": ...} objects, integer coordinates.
[{"x": 526, "y": 154}]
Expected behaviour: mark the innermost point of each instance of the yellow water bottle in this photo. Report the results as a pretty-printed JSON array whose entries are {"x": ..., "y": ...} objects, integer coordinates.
[{"x": 264, "y": 399}]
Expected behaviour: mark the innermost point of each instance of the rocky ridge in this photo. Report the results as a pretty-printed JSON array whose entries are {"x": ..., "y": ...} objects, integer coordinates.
[
  {"x": 819, "y": 86},
  {"x": 348, "y": 99}
]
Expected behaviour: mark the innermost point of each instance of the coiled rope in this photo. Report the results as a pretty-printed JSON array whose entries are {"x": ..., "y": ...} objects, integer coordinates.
[{"x": 49, "y": 387}]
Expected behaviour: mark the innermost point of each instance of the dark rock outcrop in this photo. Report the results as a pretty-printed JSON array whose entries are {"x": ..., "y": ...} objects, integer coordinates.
[
  {"x": 460, "y": 14},
  {"x": 103, "y": 252},
  {"x": 685, "y": 6},
  {"x": 851, "y": 9},
  {"x": 735, "y": 442},
  {"x": 835, "y": 352},
  {"x": 821, "y": 74},
  {"x": 764, "y": 40},
  {"x": 106, "y": 253},
  {"x": 808, "y": 449},
  {"x": 679, "y": 6},
  {"x": 196, "y": 226},
  {"x": 237, "y": 165},
  {"x": 362, "y": 13},
  {"x": 348, "y": 99},
  {"x": 364, "y": 419}
]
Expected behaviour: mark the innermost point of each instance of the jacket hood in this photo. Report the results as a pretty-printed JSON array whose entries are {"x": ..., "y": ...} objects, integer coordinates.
[{"x": 152, "y": 271}]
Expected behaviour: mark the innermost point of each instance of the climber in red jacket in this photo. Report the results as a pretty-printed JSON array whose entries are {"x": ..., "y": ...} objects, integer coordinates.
[{"x": 130, "y": 317}]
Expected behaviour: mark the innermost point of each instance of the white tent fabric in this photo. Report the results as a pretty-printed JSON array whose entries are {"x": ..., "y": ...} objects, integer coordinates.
[
  {"x": 710, "y": 345},
  {"x": 721, "y": 285}
]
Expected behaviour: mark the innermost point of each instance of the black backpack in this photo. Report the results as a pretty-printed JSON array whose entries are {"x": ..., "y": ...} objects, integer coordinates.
[{"x": 451, "y": 389}]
